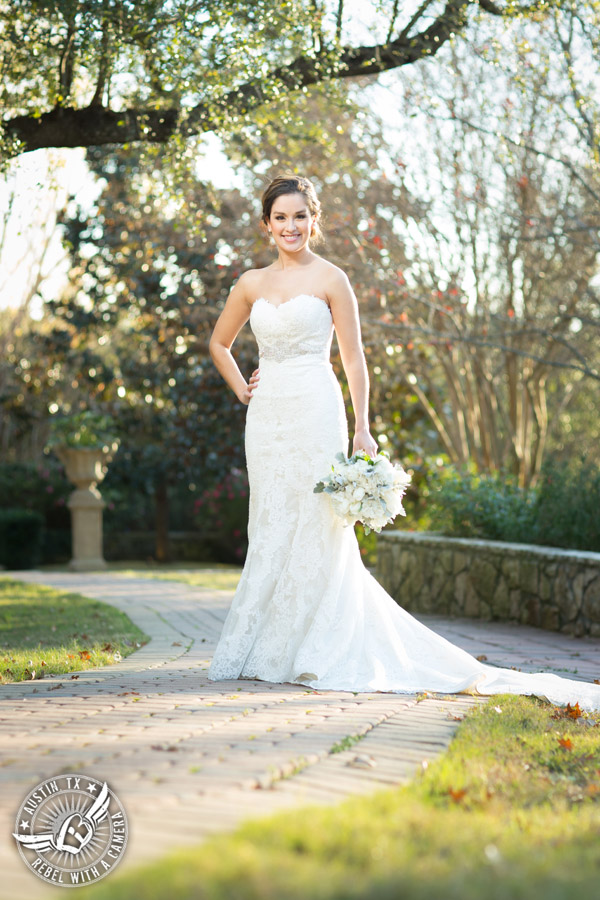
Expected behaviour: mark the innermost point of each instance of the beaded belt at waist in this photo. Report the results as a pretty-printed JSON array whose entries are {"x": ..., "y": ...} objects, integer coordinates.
[{"x": 276, "y": 354}]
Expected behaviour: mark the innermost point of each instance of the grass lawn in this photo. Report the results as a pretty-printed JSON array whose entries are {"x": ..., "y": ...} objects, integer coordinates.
[
  {"x": 212, "y": 576},
  {"x": 510, "y": 812},
  {"x": 49, "y": 632}
]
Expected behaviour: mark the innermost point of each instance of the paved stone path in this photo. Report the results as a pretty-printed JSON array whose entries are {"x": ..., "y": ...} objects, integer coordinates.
[{"x": 188, "y": 757}]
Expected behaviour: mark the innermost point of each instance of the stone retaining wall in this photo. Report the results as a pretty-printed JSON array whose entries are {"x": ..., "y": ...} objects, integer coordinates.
[{"x": 544, "y": 586}]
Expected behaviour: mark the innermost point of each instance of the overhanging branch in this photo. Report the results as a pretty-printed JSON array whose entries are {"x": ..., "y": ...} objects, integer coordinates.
[{"x": 95, "y": 125}]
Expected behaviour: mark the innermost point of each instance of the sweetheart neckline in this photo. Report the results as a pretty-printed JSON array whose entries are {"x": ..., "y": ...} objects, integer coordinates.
[{"x": 285, "y": 302}]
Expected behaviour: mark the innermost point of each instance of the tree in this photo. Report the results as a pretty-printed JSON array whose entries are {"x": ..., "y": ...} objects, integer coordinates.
[
  {"x": 501, "y": 305},
  {"x": 132, "y": 330},
  {"x": 27, "y": 239},
  {"x": 130, "y": 334},
  {"x": 92, "y": 72}
]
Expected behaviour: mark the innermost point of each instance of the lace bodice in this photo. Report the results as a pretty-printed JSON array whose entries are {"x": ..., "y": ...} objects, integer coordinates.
[{"x": 300, "y": 326}]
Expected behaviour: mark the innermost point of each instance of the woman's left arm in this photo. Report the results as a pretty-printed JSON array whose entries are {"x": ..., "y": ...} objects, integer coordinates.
[{"x": 344, "y": 310}]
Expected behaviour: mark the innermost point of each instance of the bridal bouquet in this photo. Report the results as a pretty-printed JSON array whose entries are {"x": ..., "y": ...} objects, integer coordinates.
[{"x": 365, "y": 489}]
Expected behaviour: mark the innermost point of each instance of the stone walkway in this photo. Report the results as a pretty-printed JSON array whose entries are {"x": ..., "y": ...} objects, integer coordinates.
[{"x": 188, "y": 758}]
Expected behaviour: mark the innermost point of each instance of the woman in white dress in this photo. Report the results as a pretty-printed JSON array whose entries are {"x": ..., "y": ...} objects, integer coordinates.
[{"x": 306, "y": 610}]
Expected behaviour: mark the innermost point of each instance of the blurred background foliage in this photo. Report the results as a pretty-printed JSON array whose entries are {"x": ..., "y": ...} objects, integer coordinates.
[{"x": 465, "y": 211}]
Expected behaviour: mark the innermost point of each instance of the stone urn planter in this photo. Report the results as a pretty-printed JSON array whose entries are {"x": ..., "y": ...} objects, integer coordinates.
[{"x": 85, "y": 468}]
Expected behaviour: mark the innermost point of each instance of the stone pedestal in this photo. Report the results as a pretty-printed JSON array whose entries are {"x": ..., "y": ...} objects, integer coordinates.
[{"x": 85, "y": 468}]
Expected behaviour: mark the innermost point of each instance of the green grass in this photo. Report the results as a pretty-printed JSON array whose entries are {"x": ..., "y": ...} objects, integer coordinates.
[
  {"x": 48, "y": 632},
  {"x": 212, "y": 576},
  {"x": 506, "y": 814}
]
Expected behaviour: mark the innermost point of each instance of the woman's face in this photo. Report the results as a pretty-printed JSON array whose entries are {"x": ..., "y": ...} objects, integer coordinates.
[{"x": 290, "y": 222}]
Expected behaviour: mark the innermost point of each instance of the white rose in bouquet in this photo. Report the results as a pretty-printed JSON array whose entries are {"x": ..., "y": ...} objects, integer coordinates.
[{"x": 365, "y": 489}]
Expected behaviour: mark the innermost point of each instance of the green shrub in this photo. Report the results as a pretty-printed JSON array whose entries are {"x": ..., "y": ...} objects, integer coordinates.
[
  {"x": 485, "y": 506},
  {"x": 222, "y": 517},
  {"x": 21, "y": 532},
  {"x": 561, "y": 511},
  {"x": 44, "y": 489},
  {"x": 567, "y": 507}
]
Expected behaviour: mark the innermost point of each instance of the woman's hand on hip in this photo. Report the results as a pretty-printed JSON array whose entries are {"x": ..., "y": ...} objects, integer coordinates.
[
  {"x": 246, "y": 395},
  {"x": 364, "y": 441}
]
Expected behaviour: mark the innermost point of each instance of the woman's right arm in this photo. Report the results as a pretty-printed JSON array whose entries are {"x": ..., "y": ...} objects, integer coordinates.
[{"x": 236, "y": 313}]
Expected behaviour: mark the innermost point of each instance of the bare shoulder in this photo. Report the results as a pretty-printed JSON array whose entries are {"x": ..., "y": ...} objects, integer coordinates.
[
  {"x": 251, "y": 282},
  {"x": 336, "y": 282},
  {"x": 247, "y": 285},
  {"x": 248, "y": 279}
]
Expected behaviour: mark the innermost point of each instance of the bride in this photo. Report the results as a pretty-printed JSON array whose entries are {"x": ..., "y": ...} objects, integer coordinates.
[{"x": 306, "y": 610}]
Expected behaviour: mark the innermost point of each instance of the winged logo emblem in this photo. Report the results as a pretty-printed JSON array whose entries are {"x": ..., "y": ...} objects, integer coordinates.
[{"x": 74, "y": 833}]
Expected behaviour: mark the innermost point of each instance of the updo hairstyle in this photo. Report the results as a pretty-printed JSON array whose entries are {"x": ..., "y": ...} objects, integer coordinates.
[{"x": 293, "y": 184}]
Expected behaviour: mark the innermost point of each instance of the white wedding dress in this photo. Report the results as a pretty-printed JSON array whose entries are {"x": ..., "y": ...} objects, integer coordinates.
[{"x": 306, "y": 610}]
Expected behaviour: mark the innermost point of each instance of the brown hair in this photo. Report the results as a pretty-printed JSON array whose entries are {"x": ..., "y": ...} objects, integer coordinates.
[{"x": 293, "y": 184}]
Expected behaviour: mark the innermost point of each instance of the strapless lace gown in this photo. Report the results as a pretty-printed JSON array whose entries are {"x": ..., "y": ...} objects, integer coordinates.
[{"x": 306, "y": 610}]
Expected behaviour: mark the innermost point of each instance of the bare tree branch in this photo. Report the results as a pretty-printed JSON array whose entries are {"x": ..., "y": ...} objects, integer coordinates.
[
  {"x": 339, "y": 20},
  {"x": 525, "y": 145},
  {"x": 440, "y": 337},
  {"x": 66, "y": 61},
  {"x": 514, "y": 9},
  {"x": 103, "y": 62}
]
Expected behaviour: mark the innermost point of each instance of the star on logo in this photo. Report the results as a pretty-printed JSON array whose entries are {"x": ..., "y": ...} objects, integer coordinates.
[
  {"x": 24, "y": 824},
  {"x": 92, "y": 787},
  {"x": 72, "y": 836}
]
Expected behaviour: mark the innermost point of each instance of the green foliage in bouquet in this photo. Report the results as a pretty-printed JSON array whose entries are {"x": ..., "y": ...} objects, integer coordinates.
[{"x": 370, "y": 495}]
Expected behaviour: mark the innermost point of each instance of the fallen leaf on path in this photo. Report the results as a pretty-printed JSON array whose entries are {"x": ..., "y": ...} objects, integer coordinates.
[
  {"x": 455, "y": 718},
  {"x": 482, "y": 657},
  {"x": 362, "y": 762}
]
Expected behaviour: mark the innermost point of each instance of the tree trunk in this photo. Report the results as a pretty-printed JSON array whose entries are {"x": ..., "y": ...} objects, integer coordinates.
[{"x": 161, "y": 497}]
